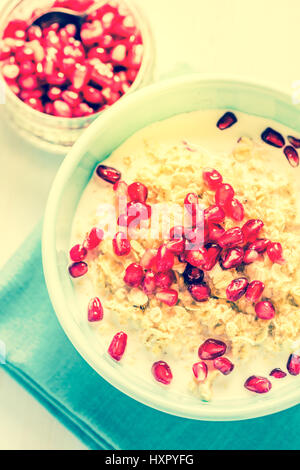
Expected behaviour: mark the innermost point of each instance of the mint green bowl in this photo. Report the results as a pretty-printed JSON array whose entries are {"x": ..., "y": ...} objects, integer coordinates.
[{"x": 154, "y": 103}]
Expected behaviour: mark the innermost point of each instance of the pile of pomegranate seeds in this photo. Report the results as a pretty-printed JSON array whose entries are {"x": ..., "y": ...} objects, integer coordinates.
[{"x": 66, "y": 72}]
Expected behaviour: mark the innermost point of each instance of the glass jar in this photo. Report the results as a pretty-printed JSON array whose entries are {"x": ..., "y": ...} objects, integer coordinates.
[{"x": 58, "y": 134}]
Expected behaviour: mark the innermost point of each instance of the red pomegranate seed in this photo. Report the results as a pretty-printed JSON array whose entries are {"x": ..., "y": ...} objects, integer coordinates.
[
  {"x": 235, "y": 210},
  {"x": 95, "y": 310},
  {"x": 258, "y": 384},
  {"x": 251, "y": 229},
  {"x": 294, "y": 141},
  {"x": 211, "y": 349},
  {"x": 231, "y": 238},
  {"x": 78, "y": 253},
  {"x": 176, "y": 246},
  {"x": 90, "y": 33},
  {"x": 149, "y": 282},
  {"x": 236, "y": 289},
  {"x": 265, "y": 310},
  {"x": 292, "y": 156},
  {"x": 34, "y": 32},
  {"x": 62, "y": 109},
  {"x": 71, "y": 97},
  {"x": 274, "y": 251},
  {"x": 13, "y": 26},
  {"x": 162, "y": 372},
  {"x": 191, "y": 202},
  {"x": 192, "y": 275},
  {"x": 109, "y": 174},
  {"x": 212, "y": 178},
  {"x": 177, "y": 232},
  {"x": 117, "y": 346},
  {"x": 196, "y": 258},
  {"x": 10, "y": 71},
  {"x": 272, "y": 137},
  {"x": 167, "y": 296},
  {"x": 224, "y": 365},
  {"x": 226, "y": 121},
  {"x": 260, "y": 245},
  {"x": 200, "y": 371},
  {"x": 134, "y": 274},
  {"x": 214, "y": 214},
  {"x": 278, "y": 373},
  {"x": 224, "y": 194},
  {"x": 27, "y": 67},
  {"x": 293, "y": 364},
  {"x": 199, "y": 292},
  {"x": 93, "y": 238},
  {"x": 35, "y": 104},
  {"x": 215, "y": 231},
  {"x": 254, "y": 291},
  {"x": 148, "y": 258},
  {"x": 121, "y": 245},
  {"x": 212, "y": 256},
  {"x": 83, "y": 109},
  {"x": 139, "y": 210},
  {"x": 92, "y": 95},
  {"x": 164, "y": 280},
  {"x": 138, "y": 192},
  {"x": 164, "y": 259},
  {"x": 78, "y": 269},
  {"x": 250, "y": 256},
  {"x": 232, "y": 258}
]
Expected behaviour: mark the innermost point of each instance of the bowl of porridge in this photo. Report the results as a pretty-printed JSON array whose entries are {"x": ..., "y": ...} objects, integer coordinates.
[{"x": 171, "y": 247}]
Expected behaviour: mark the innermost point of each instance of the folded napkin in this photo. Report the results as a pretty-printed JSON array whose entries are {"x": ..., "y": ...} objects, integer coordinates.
[{"x": 42, "y": 359}]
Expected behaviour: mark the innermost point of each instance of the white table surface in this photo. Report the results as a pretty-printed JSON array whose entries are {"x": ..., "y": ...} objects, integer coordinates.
[{"x": 253, "y": 39}]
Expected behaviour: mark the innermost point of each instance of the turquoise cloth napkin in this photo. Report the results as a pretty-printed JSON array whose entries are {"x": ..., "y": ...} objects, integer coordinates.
[{"x": 41, "y": 358}]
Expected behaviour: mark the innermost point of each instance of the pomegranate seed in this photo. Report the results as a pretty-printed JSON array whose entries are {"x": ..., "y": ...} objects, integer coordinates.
[
  {"x": 271, "y": 137},
  {"x": 121, "y": 245},
  {"x": 164, "y": 280},
  {"x": 139, "y": 210},
  {"x": 34, "y": 32},
  {"x": 236, "y": 289},
  {"x": 292, "y": 156},
  {"x": 78, "y": 269},
  {"x": 265, "y": 310},
  {"x": 167, "y": 296},
  {"x": 293, "y": 364},
  {"x": 92, "y": 95},
  {"x": 138, "y": 192},
  {"x": 232, "y": 258},
  {"x": 93, "y": 238},
  {"x": 278, "y": 373},
  {"x": 149, "y": 282},
  {"x": 134, "y": 274},
  {"x": 120, "y": 187},
  {"x": 260, "y": 245},
  {"x": 231, "y": 238},
  {"x": 294, "y": 141},
  {"x": 83, "y": 109},
  {"x": 10, "y": 71},
  {"x": 200, "y": 371},
  {"x": 177, "y": 232},
  {"x": 215, "y": 231},
  {"x": 199, "y": 292},
  {"x": 78, "y": 253},
  {"x": 211, "y": 349},
  {"x": 235, "y": 210},
  {"x": 251, "y": 229},
  {"x": 28, "y": 82},
  {"x": 54, "y": 93},
  {"x": 95, "y": 310},
  {"x": 162, "y": 372},
  {"x": 212, "y": 178},
  {"x": 71, "y": 97},
  {"x": 192, "y": 275},
  {"x": 224, "y": 194},
  {"x": 274, "y": 251},
  {"x": 226, "y": 121},
  {"x": 90, "y": 33},
  {"x": 27, "y": 68},
  {"x": 224, "y": 365},
  {"x": 176, "y": 246},
  {"x": 258, "y": 384},
  {"x": 254, "y": 291},
  {"x": 214, "y": 214},
  {"x": 117, "y": 346},
  {"x": 250, "y": 256},
  {"x": 196, "y": 258},
  {"x": 35, "y": 104},
  {"x": 109, "y": 174},
  {"x": 164, "y": 259},
  {"x": 191, "y": 202},
  {"x": 148, "y": 259},
  {"x": 61, "y": 109},
  {"x": 212, "y": 256}
]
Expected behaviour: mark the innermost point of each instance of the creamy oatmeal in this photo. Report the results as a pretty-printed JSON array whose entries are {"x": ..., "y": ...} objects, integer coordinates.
[{"x": 206, "y": 317}]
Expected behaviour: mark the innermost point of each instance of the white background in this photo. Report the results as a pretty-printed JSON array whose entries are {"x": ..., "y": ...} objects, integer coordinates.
[{"x": 256, "y": 39}]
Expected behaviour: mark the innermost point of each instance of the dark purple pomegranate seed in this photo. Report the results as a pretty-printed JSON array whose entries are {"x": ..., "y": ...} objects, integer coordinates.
[
  {"x": 224, "y": 365},
  {"x": 211, "y": 349},
  {"x": 273, "y": 138},
  {"x": 277, "y": 373},
  {"x": 258, "y": 384},
  {"x": 293, "y": 364},
  {"x": 291, "y": 155},
  {"x": 236, "y": 289},
  {"x": 294, "y": 141},
  {"x": 109, "y": 174},
  {"x": 227, "y": 120},
  {"x": 192, "y": 275},
  {"x": 78, "y": 269}
]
